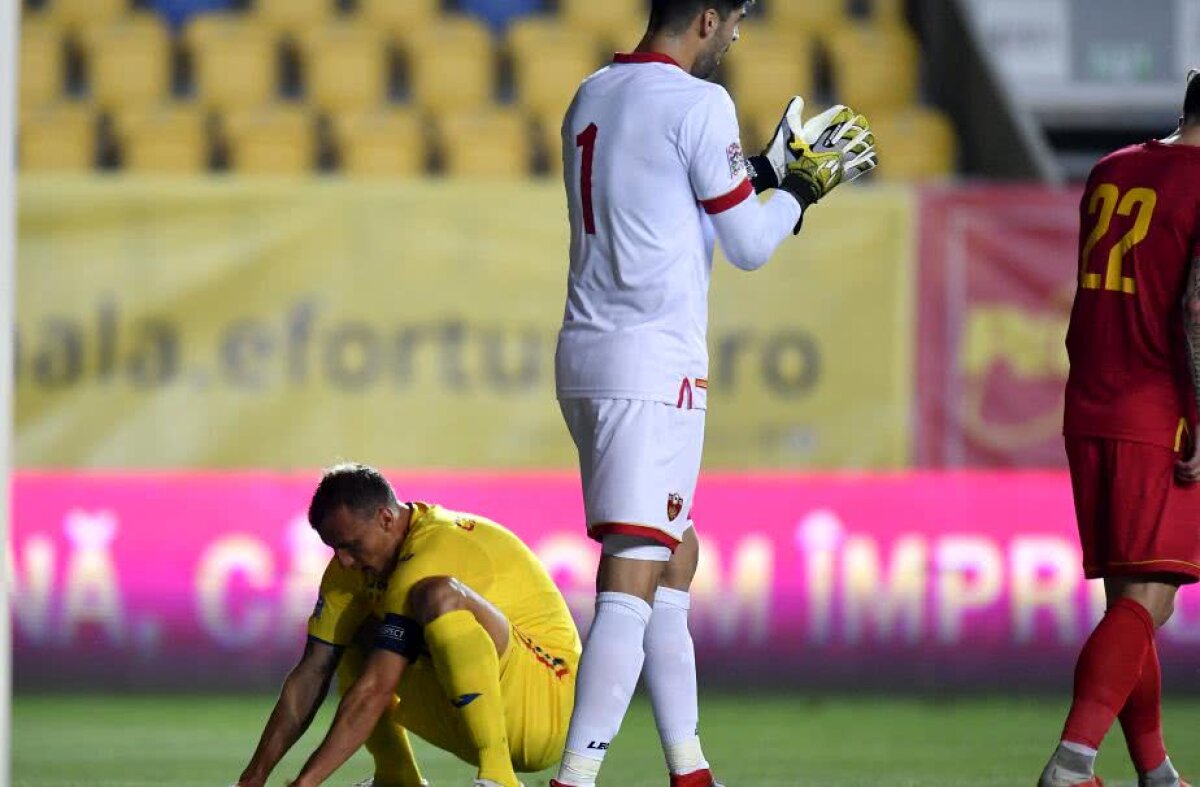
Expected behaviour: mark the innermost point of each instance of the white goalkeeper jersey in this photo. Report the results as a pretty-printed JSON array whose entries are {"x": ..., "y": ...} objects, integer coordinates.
[{"x": 649, "y": 152}]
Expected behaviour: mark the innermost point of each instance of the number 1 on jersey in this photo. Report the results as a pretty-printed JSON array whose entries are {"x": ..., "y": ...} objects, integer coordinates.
[{"x": 587, "y": 141}]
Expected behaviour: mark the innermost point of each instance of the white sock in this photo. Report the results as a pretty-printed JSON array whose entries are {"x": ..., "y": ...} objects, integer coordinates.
[
  {"x": 670, "y": 676},
  {"x": 608, "y": 674}
]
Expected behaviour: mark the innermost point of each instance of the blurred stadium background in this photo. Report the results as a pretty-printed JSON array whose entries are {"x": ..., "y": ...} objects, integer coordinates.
[{"x": 258, "y": 236}]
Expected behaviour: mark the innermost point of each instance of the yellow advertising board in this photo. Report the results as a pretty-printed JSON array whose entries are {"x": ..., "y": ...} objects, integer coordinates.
[{"x": 233, "y": 324}]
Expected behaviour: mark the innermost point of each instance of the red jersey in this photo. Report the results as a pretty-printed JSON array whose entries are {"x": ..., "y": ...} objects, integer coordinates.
[{"x": 1140, "y": 231}]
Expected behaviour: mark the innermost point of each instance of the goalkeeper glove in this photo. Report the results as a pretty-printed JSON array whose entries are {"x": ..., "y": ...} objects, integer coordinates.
[
  {"x": 768, "y": 170},
  {"x": 835, "y": 147}
]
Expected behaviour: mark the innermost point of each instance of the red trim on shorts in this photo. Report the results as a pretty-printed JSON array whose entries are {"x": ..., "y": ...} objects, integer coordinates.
[
  {"x": 685, "y": 391},
  {"x": 598, "y": 532},
  {"x": 1188, "y": 572},
  {"x": 645, "y": 57},
  {"x": 740, "y": 193}
]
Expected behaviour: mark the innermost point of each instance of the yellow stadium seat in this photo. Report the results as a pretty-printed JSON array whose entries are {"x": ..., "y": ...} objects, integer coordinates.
[
  {"x": 451, "y": 65},
  {"x": 167, "y": 139},
  {"x": 808, "y": 17},
  {"x": 549, "y": 62},
  {"x": 914, "y": 144},
  {"x": 59, "y": 138},
  {"x": 129, "y": 62},
  {"x": 293, "y": 17},
  {"x": 42, "y": 63},
  {"x": 382, "y": 143},
  {"x": 271, "y": 140},
  {"x": 77, "y": 15},
  {"x": 885, "y": 12},
  {"x": 620, "y": 23},
  {"x": 549, "y": 135},
  {"x": 486, "y": 143},
  {"x": 765, "y": 63},
  {"x": 875, "y": 68},
  {"x": 234, "y": 61},
  {"x": 399, "y": 18},
  {"x": 345, "y": 66}
]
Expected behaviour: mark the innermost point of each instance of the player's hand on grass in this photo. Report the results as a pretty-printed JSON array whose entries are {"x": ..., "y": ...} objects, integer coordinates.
[{"x": 1188, "y": 470}]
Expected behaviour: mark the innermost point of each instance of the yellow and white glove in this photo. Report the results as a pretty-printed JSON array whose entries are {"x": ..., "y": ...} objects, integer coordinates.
[{"x": 832, "y": 148}]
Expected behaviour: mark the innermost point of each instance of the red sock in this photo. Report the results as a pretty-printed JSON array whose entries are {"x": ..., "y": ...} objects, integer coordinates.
[
  {"x": 1141, "y": 718},
  {"x": 1108, "y": 669}
]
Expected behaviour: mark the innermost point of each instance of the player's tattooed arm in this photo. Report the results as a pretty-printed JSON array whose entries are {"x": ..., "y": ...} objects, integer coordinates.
[
  {"x": 1191, "y": 323},
  {"x": 299, "y": 699},
  {"x": 1187, "y": 469}
]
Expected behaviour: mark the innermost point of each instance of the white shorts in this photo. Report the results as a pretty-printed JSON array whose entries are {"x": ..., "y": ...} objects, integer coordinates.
[{"x": 639, "y": 461}]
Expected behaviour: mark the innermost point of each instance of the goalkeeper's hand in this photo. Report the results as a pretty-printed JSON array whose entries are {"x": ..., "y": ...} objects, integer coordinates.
[
  {"x": 768, "y": 170},
  {"x": 832, "y": 148}
]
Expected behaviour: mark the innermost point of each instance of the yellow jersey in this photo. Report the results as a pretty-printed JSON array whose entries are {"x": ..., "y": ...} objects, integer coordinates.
[{"x": 482, "y": 554}]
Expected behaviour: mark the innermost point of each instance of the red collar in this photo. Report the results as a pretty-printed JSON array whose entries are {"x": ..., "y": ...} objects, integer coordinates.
[{"x": 645, "y": 57}]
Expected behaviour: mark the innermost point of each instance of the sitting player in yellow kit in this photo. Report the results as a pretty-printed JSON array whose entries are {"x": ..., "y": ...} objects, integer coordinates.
[{"x": 441, "y": 623}]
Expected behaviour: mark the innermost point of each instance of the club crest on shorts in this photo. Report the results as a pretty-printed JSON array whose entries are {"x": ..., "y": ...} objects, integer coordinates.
[{"x": 674, "y": 505}]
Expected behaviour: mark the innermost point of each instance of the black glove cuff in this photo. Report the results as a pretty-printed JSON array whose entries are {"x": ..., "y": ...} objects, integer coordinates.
[
  {"x": 762, "y": 174},
  {"x": 804, "y": 193}
]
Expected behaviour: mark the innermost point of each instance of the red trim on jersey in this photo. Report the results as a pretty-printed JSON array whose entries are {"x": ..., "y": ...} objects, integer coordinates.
[
  {"x": 743, "y": 192},
  {"x": 702, "y": 382},
  {"x": 598, "y": 532},
  {"x": 645, "y": 57}
]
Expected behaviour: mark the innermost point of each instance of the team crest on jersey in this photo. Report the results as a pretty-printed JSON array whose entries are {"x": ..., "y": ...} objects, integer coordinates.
[
  {"x": 674, "y": 505},
  {"x": 737, "y": 160},
  {"x": 465, "y": 523}
]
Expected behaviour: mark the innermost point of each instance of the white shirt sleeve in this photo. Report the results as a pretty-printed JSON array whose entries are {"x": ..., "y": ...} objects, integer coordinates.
[
  {"x": 710, "y": 144},
  {"x": 751, "y": 231}
]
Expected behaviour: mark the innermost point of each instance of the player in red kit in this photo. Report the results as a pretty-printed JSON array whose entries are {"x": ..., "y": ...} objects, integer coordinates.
[{"x": 1132, "y": 393}]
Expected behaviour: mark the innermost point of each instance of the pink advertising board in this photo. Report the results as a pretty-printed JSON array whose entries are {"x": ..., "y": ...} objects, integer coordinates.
[{"x": 918, "y": 580}]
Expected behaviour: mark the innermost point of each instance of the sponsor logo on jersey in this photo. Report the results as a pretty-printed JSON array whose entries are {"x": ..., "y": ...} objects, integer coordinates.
[
  {"x": 465, "y": 700},
  {"x": 737, "y": 160},
  {"x": 674, "y": 505},
  {"x": 319, "y": 608}
]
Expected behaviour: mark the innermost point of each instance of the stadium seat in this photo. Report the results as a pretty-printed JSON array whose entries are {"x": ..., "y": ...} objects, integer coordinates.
[
  {"x": 915, "y": 144},
  {"x": 549, "y": 61},
  {"x": 886, "y": 12},
  {"x": 77, "y": 15},
  {"x": 499, "y": 14},
  {"x": 451, "y": 65},
  {"x": 345, "y": 66},
  {"x": 271, "y": 140},
  {"x": 128, "y": 62},
  {"x": 58, "y": 138},
  {"x": 875, "y": 69},
  {"x": 620, "y": 23},
  {"x": 770, "y": 67},
  {"x": 549, "y": 136},
  {"x": 234, "y": 61},
  {"x": 42, "y": 62},
  {"x": 167, "y": 139},
  {"x": 807, "y": 17},
  {"x": 382, "y": 143},
  {"x": 486, "y": 143},
  {"x": 293, "y": 17},
  {"x": 399, "y": 18}
]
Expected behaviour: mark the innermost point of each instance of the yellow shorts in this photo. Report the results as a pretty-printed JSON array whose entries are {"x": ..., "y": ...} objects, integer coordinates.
[{"x": 538, "y": 685}]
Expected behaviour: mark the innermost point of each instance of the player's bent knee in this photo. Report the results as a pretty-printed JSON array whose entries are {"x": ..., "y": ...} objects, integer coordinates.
[{"x": 436, "y": 596}]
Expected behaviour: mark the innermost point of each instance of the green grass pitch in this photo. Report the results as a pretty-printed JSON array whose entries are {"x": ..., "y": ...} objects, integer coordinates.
[{"x": 753, "y": 741}]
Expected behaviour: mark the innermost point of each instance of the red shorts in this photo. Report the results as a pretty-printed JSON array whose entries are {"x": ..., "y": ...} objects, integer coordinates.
[{"x": 1134, "y": 517}]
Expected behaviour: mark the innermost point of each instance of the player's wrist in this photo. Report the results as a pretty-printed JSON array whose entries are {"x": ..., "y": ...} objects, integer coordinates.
[{"x": 762, "y": 174}]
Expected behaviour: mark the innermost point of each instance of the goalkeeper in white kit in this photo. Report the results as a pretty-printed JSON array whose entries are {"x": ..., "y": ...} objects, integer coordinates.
[{"x": 655, "y": 175}]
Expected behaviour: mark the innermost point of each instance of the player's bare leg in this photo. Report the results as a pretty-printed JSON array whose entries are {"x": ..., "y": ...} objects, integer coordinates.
[
  {"x": 1117, "y": 675},
  {"x": 628, "y": 578},
  {"x": 670, "y": 669},
  {"x": 465, "y": 635}
]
